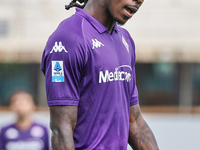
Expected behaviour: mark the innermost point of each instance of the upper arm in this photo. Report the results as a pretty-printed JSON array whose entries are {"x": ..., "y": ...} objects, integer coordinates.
[
  {"x": 135, "y": 113},
  {"x": 62, "y": 123},
  {"x": 62, "y": 117}
]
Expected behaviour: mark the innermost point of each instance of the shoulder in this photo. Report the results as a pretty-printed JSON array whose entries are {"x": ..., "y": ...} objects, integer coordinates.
[
  {"x": 38, "y": 130},
  {"x": 9, "y": 131},
  {"x": 69, "y": 31},
  {"x": 69, "y": 26},
  {"x": 39, "y": 126},
  {"x": 5, "y": 128},
  {"x": 67, "y": 42},
  {"x": 69, "y": 36}
]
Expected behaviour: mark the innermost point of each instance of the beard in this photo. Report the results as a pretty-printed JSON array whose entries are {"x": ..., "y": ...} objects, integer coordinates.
[{"x": 119, "y": 22}]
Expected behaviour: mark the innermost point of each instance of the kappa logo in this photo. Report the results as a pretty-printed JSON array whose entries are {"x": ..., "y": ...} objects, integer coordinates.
[
  {"x": 58, "y": 48},
  {"x": 96, "y": 43},
  {"x": 125, "y": 43}
]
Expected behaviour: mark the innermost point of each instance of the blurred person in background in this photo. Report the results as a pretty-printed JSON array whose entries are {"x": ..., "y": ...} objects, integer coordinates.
[{"x": 25, "y": 134}]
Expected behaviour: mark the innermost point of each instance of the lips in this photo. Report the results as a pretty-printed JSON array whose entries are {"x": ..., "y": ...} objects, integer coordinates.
[{"x": 130, "y": 10}]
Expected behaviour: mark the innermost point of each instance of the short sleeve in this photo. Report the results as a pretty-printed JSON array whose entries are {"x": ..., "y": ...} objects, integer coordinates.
[
  {"x": 134, "y": 94},
  {"x": 62, "y": 63},
  {"x": 134, "y": 97}
]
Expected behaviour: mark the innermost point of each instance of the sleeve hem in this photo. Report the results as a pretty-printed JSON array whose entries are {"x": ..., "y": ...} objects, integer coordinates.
[
  {"x": 62, "y": 102},
  {"x": 134, "y": 101}
]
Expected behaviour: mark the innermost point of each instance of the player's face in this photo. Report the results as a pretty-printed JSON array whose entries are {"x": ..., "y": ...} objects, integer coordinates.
[
  {"x": 122, "y": 10},
  {"x": 22, "y": 105}
]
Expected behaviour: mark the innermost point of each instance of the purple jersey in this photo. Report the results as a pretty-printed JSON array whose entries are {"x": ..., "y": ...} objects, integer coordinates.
[
  {"x": 86, "y": 66},
  {"x": 35, "y": 138}
]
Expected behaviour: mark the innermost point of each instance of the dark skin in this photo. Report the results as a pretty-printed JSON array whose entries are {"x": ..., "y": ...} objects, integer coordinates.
[
  {"x": 63, "y": 118},
  {"x": 62, "y": 123},
  {"x": 108, "y": 12},
  {"x": 140, "y": 135}
]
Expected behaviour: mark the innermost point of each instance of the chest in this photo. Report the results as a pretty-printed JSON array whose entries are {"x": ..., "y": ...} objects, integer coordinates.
[
  {"x": 110, "y": 58},
  {"x": 108, "y": 52},
  {"x": 24, "y": 140}
]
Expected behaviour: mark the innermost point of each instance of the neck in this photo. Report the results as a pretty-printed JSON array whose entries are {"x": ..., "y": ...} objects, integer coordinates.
[
  {"x": 24, "y": 123},
  {"x": 97, "y": 10}
]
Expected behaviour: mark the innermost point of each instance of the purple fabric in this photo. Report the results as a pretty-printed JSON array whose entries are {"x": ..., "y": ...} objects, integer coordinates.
[
  {"x": 35, "y": 138},
  {"x": 96, "y": 73}
]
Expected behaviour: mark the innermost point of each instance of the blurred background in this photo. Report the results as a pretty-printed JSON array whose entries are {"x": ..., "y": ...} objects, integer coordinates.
[{"x": 167, "y": 38}]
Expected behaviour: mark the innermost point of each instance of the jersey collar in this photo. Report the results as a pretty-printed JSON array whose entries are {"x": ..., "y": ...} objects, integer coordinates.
[{"x": 96, "y": 24}]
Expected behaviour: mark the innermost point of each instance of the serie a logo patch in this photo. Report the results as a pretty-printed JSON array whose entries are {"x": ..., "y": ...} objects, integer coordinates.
[{"x": 57, "y": 71}]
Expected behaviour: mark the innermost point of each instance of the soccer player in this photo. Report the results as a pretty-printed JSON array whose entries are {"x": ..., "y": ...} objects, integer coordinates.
[
  {"x": 24, "y": 134},
  {"x": 89, "y": 67}
]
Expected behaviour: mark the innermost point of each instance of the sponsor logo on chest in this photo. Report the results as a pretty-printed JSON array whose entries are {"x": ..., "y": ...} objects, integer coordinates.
[{"x": 117, "y": 75}]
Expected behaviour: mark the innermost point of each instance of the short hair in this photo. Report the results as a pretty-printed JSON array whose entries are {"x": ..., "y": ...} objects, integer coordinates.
[{"x": 73, "y": 3}]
